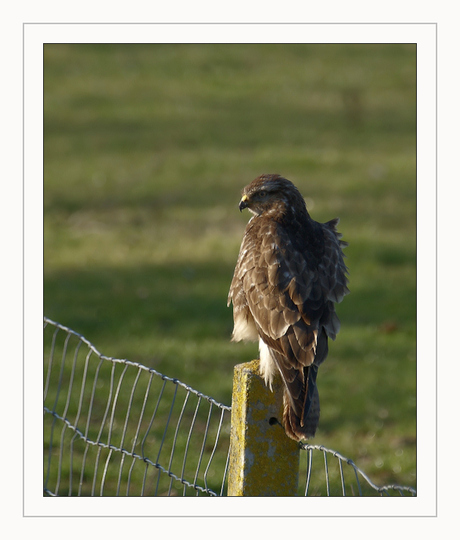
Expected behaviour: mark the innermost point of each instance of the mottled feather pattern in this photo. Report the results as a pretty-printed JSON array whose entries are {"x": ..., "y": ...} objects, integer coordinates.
[{"x": 289, "y": 273}]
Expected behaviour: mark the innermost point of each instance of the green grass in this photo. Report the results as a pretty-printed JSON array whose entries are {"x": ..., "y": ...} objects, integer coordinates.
[{"x": 146, "y": 150}]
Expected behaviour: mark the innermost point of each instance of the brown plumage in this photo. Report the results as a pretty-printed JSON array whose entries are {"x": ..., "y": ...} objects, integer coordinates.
[{"x": 289, "y": 273}]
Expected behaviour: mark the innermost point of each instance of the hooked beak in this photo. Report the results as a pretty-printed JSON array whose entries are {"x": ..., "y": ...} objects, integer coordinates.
[{"x": 243, "y": 203}]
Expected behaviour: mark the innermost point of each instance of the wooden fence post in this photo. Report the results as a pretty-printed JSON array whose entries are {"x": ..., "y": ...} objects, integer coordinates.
[{"x": 263, "y": 460}]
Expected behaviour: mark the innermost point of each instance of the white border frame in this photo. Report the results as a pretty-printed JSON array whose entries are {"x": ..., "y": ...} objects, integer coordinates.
[{"x": 424, "y": 35}]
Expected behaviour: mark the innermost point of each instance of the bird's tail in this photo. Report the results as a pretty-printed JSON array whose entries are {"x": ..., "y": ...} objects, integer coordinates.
[
  {"x": 301, "y": 397},
  {"x": 301, "y": 418}
]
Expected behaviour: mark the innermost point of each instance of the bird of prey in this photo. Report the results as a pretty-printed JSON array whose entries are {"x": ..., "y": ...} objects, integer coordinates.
[{"x": 289, "y": 273}]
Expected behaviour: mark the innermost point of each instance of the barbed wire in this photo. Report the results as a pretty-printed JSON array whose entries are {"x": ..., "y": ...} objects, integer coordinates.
[{"x": 117, "y": 427}]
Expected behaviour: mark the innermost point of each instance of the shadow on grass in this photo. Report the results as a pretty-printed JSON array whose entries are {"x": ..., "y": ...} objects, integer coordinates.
[
  {"x": 182, "y": 301},
  {"x": 175, "y": 315}
]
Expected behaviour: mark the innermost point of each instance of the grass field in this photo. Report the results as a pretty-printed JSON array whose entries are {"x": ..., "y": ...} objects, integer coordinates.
[{"x": 146, "y": 150}]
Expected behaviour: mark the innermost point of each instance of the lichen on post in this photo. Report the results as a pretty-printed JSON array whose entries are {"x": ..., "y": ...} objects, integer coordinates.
[{"x": 264, "y": 461}]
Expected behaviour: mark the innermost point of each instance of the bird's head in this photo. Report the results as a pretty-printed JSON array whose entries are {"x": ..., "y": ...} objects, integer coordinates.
[{"x": 270, "y": 193}]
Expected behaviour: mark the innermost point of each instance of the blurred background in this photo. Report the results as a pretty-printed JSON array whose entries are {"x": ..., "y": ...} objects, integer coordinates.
[{"x": 147, "y": 148}]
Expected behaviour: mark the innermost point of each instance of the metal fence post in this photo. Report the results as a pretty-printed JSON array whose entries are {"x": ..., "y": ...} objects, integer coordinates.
[{"x": 263, "y": 460}]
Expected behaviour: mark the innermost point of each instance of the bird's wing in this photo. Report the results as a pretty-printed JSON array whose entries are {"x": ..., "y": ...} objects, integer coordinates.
[
  {"x": 332, "y": 265},
  {"x": 290, "y": 299}
]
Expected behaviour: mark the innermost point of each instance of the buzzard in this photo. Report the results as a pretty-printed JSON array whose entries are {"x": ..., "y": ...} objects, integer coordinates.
[{"x": 289, "y": 273}]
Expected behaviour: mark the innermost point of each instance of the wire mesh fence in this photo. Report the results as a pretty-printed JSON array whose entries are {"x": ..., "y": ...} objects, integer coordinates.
[
  {"x": 117, "y": 428},
  {"x": 328, "y": 473}
]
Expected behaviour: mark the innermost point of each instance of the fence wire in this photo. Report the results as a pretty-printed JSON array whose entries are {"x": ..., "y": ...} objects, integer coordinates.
[
  {"x": 117, "y": 428},
  {"x": 328, "y": 473}
]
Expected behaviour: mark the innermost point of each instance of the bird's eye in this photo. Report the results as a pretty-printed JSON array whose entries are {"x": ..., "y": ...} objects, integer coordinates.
[{"x": 262, "y": 194}]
